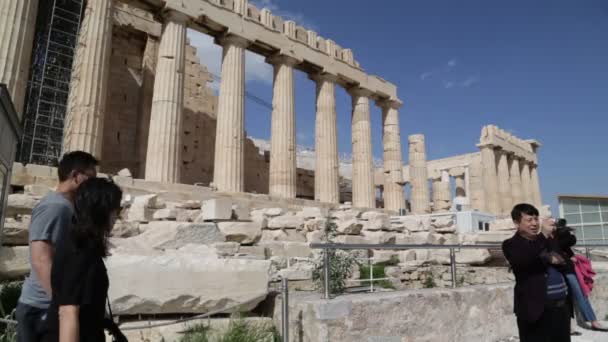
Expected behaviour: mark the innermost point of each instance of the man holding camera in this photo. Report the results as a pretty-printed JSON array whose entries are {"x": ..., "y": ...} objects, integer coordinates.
[{"x": 541, "y": 294}]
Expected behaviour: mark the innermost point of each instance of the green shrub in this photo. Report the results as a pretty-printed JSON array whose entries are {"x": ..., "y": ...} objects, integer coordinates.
[
  {"x": 9, "y": 294},
  {"x": 341, "y": 264},
  {"x": 239, "y": 330},
  {"x": 364, "y": 274},
  {"x": 429, "y": 282}
]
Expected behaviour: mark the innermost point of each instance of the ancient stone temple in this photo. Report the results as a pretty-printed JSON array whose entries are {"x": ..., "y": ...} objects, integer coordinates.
[
  {"x": 502, "y": 174},
  {"x": 119, "y": 79}
]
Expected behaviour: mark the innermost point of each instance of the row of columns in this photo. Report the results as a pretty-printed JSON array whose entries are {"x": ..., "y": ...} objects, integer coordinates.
[
  {"x": 508, "y": 181},
  {"x": 163, "y": 162}
]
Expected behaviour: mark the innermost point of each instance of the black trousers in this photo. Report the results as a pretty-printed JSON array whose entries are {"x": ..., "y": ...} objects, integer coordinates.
[
  {"x": 552, "y": 326},
  {"x": 31, "y": 323}
]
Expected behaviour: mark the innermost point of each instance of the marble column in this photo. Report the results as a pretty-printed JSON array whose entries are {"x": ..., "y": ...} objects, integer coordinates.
[
  {"x": 363, "y": 166},
  {"x": 535, "y": 185},
  {"x": 504, "y": 185},
  {"x": 17, "y": 25},
  {"x": 163, "y": 156},
  {"x": 526, "y": 183},
  {"x": 418, "y": 175},
  {"x": 228, "y": 172},
  {"x": 393, "y": 165},
  {"x": 460, "y": 187},
  {"x": 146, "y": 92},
  {"x": 89, "y": 86},
  {"x": 490, "y": 179},
  {"x": 326, "y": 142},
  {"x": 282, "y": 178},
  {"x": 515, "y": 177},
  {"x": 442, "y": 197}
]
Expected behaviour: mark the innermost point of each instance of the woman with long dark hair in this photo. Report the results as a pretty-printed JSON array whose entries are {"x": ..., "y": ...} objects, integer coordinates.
[{"x": 79, "y": 278}]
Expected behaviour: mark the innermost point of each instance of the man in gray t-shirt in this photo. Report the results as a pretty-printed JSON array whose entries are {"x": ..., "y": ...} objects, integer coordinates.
[{"x": 51, "y": 219}]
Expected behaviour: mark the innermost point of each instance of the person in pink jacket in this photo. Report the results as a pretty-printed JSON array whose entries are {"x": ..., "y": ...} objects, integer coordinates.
[{"x": 563, "y": 237}]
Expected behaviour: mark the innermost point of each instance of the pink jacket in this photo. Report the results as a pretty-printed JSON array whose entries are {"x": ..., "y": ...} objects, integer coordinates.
[{"x": 584, "y": 273}]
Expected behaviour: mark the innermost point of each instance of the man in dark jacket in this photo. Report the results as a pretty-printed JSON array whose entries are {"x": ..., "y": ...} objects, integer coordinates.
[{"x": 540, "y": 295}]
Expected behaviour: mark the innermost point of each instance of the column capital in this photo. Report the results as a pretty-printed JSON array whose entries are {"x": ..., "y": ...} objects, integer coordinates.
[
  {"x": 359, "y": 92},
  {"x": 323, "y": 76},
  {"x": 176, "y": 16},
  {"x": 389, "y": 104},
  {"x": 278, "y": 59},
  {"x": 232, "y": 39}
]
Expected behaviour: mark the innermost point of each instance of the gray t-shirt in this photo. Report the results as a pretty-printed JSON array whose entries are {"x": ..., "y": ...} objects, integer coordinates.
[{"x": 50, "y": 220}]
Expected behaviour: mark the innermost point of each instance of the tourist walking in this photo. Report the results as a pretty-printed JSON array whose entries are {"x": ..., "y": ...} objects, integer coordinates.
[
  {"x": 541, "y": 293},
  {"x": 79, "y": 277},
  {"x": 50, "y": 218}
]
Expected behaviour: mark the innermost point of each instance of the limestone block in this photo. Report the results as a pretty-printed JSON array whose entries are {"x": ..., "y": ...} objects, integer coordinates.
[
  {"x": 253, "y": 252},
  {"x": 125, "y": 229},
  {"x": 190, "y": 204},
  {"x": 420, "y": 238},
  {"x": 149, "y": 201},
  {"x": 437, "y": 239},
  {"x": 141, "y": 210},
  {"x": 14, "y": 262},
  {"x": 246, "y": 233},
  {"x": 172, "y": 235},
  {"x": 272, "y": 212},
  {"x": 504, "y": 224},
  {"x": 286, "y": 221},
  {"x": 316, "y": 236},
  {"x": 165, "y": 214},
  {"x": 468, "y": 239},
  {"x": 240, "y": 212},
  {"x": 344, "y": 215},
  {"x": 350, "y": 239},
  {"x": 375, "y": 221},
  {"x": 41, "y": 171},
  {"x": 313, "y": 212},
  {"x": 224, "y": 249},
  {"x": 125, "y": 173},
  {"x": 314, "y": 225},
  {"x": 181, "y": 281},
  {"x": 186, "y": 215},
  {"x": 345, "y": 206},
  {"x": 415, "y": 223},
  {"x": 298, "y": 271},
  {"x": 215, "y": 209},
  {"x": 443, "y": 221},
  {"x": 446, "y": 230},
  {"x": 473, "y": 256},
  {"x": 451, "y": 239},
  {"x": 408, "y": 255},
  {"x": 381, "y": 238},
  {"x": 20, "y": 204},
  {"x": 287, "y": 249},
  {"x": 351, "y": 227},
  {"x": 16, "y": 230},
  {"x": 39, "y": 190},
  {"x": 283, "y": 235},
  {"x": 383, "y": 255}
]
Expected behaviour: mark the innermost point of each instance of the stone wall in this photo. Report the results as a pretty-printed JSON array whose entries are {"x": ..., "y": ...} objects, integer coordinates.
[{"x": 478, "y": 313}]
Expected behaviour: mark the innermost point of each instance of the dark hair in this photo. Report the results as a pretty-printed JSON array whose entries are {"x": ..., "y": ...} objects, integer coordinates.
[
  {"x": 523, "y": 208},
  {"x": 96, "y": 199},
  {"x": 75, "y": 161}
]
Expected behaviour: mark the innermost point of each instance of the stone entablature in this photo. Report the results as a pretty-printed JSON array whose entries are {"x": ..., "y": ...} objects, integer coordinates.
[{"x": 501, "y": 139}]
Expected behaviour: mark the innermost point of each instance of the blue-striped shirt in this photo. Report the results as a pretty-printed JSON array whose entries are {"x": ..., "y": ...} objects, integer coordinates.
[{"x": 556, "y": 285}]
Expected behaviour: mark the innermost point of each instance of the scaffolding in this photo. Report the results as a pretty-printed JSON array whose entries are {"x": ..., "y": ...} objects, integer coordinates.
[{"x": 57, "y": 27}]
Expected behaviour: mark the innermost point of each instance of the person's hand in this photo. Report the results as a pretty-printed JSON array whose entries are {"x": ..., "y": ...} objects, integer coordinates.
[
  {"x": 573, "y": 259},
  {"x": 556, "y": 259}
]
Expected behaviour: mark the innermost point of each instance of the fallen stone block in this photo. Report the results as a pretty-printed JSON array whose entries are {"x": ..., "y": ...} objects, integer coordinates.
[
  {"x": 172, "y": 235},
  {"x": 215, "y": 209},
  {"x": 21, "y": 204},
  {"x": 287, "y": 249},
  {"x": 297, "y": 271},
  {"x": 283, "y": 235},
  {"x": 125, "y": 229},
  {"x": 313, "y": 212},
  {"x": 181, "y": 282},
  {"x": 374, "y": 221},
  {"x": 246, "y": 233},
  {"x": 16, "y": 231},
  {"x": 187, "y": 215},
  {"x": 165, "y": 214},
  {"x": 14, "y": 262},
  {"x": 286, "y": 221},
  {"x": 351, "y": 227}
]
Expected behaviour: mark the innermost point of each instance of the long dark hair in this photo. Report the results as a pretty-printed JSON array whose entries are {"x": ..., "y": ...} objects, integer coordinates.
[{"x": 96, "y": 199}]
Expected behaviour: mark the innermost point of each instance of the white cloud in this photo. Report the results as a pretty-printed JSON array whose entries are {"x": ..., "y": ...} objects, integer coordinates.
[
  {"x": 210, "y": 55},
  {"x": 439, "y": 70},
  {"x": 471, "y": 80},
  {"x": 448, "y": 84}
]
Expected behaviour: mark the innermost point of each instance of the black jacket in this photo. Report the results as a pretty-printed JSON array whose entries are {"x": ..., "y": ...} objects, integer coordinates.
[{"x": 528, "y": 260}]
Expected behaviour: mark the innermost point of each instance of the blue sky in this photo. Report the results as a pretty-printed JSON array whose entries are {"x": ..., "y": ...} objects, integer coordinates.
[{"x": 538, "y": 69}]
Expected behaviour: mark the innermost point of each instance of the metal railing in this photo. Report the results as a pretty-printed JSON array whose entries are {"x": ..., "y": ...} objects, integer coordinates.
[{"x": 453, "y": 248}]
